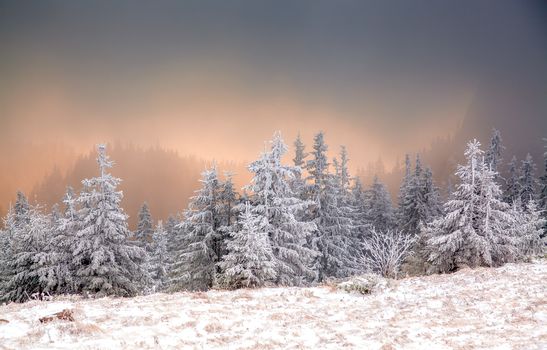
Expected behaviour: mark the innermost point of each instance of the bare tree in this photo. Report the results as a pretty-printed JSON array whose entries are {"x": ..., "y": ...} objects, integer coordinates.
[{"x": 384, "y": 252}]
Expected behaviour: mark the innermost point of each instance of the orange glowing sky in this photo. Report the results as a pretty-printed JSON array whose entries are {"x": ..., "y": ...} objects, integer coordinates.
[{"x": 216, "y": 79}]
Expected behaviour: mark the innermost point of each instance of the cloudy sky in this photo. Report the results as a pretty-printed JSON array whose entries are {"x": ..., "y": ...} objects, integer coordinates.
[{"x": 216, "y": 78}]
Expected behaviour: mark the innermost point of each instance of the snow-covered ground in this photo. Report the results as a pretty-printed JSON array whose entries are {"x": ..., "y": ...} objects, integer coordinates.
[{"x": 502, "y": 308}]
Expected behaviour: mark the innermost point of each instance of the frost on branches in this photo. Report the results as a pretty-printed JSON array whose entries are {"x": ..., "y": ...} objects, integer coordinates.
[
  {"x": 106, "y": 262},
  {"x": 476, "y": 230},
  {"x": 196, "y": 258},
  {"x": 273, "y": 201},
  {"x": 384, "y": 252},
  {"x": 250, "y": 260}
]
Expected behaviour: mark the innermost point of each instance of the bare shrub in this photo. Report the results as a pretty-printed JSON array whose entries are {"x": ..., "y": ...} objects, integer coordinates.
[{"x": 386, "y": 251}]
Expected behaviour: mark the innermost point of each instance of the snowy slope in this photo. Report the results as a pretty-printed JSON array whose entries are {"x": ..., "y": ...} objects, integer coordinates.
[{"x": 503, "y": 308}]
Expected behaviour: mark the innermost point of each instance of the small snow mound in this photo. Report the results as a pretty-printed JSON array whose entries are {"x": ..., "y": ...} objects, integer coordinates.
[{"x": 364, "y": 284}]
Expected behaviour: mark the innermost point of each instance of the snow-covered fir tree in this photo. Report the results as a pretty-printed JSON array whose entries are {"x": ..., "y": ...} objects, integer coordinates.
[
  {"x": 145, "y": 227},
  {"x": 512, "y": 184},
  {"x": 250, "y": 261},
  {"x": 143, "y": 238},
  {"x": 298, "y": 183},
  {"x": 335, "y": 229},
  {"x": 432, "y": 199},
  {"x": 527, "y": 180},
  {"x": 359, "y": 204},
  {"x": 22, "y": 209},
  {"x": 492, "y": 157},
  {"x": 227, "y": 211},
  {"x": 412, "y": 206},
  {"x": 404, "y": 191},
  {"x": 476, "y": 228},
  {"x": 542, "y": 202},
  {"x": 273, "y": 201},
  {"x": 29, "y": 269},
  {"x": 529, "y": 228},
  {"x": 6, "y": 253},
  {"x": 195, "y": 264},
  {"x": 380, "y": 211},
  {"x": 63, "y": 241},
  {"x": 159, "y": 258},
  {"x": 318, "y": 166},
  {"x": 105, "y": 260}
]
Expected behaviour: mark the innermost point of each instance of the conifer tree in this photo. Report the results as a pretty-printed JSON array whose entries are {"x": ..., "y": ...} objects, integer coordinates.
[
  {"x": 198, "y": 252},
  {"x": 527, "y": 181},
  {"x": 529, "y": 228},
  {"x": 318, "y": 166},
  {"x": 105, "y": 261},
  {"x": 227, "y": 211},
  {"x": 298, "y": 182},
  {"x": 29, "y": 271},
  {"x": 380, "y": 210},
  {"x": 493, "y": 155},
  {"x": 512, "y": 184},
  {"x": 273, "y": 201},
  {"x": 159, "y": 258},
  {"x": 542, "y": 203},
  {"x": 22, "y": 209},
  {"x": 476, "y": 229},
  {"x": 145, "y": 229},
  {"x": 250, "y": 261}
]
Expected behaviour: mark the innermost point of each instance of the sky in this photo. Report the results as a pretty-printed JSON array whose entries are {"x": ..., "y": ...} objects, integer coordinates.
[{"x": 215, "y": 79}]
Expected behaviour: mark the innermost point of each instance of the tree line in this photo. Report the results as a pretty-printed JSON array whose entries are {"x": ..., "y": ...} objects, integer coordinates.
[{"x": 293, "y": 225}]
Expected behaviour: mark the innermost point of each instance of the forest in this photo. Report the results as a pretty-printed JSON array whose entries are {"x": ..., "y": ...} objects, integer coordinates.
[{"x": 296, "y": 223}]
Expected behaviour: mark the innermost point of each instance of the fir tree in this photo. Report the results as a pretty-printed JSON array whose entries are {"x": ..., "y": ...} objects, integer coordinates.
[
  {"x": 512, "y": 184},
  {"x": 542, "y": 203},
  {"x": 380, "y": 210},
  {"x": 529, "y": 228},
  {"x": 29, "y": 272},
  {"x": 273, "y": 201},
  {"x": 298, "y": 183},
  {"x": 250, "y": 261},
  {"x": 159, "y": 258},
  {"x": 64, "y": 235},
  {"x": 334, "y": 233},
  {"x": 145, "y": 229},
  {"x": 527, "y": 181},
  {"x": 105, "y": 261},
  {"x": 318, "y": 166},
  {"x": 227, "y": 211},
  {"x": 194, "y": 267},
  {"x": 493, "y": 155},
  {"x": 475, "y": 230},
  {"x": 22, "y": 209}
]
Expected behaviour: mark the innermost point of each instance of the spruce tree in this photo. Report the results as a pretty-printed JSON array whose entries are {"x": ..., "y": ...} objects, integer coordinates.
[
  {"x": 22, "y": 209},
  {"x": 29, "y": 269},
  {"x": 250, "y": 261},
  {"x": 492, "y": 157},
  {"x": 542, "y": 203},
  {"x": 317, "y": 166},
  {"x": 145, "y": 229},
  {"x": 273, "y": 201},
  {"x": 298, "y": 183},
  {"x": 529, "y": 229},
  {"x": 512, "y": 184},
  {"x": 380, "y": 210},
  {"x": 527, "y": 181},
  {"x": 159, "y": 258},
  {"x": 197, "y": 255},
  {"x": 476, "y": 228},
  {"x": 106, "y": 263}
]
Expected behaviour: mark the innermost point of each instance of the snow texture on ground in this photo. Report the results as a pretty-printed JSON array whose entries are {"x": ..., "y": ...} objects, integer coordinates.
[{"x": 502, "y": 308}]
